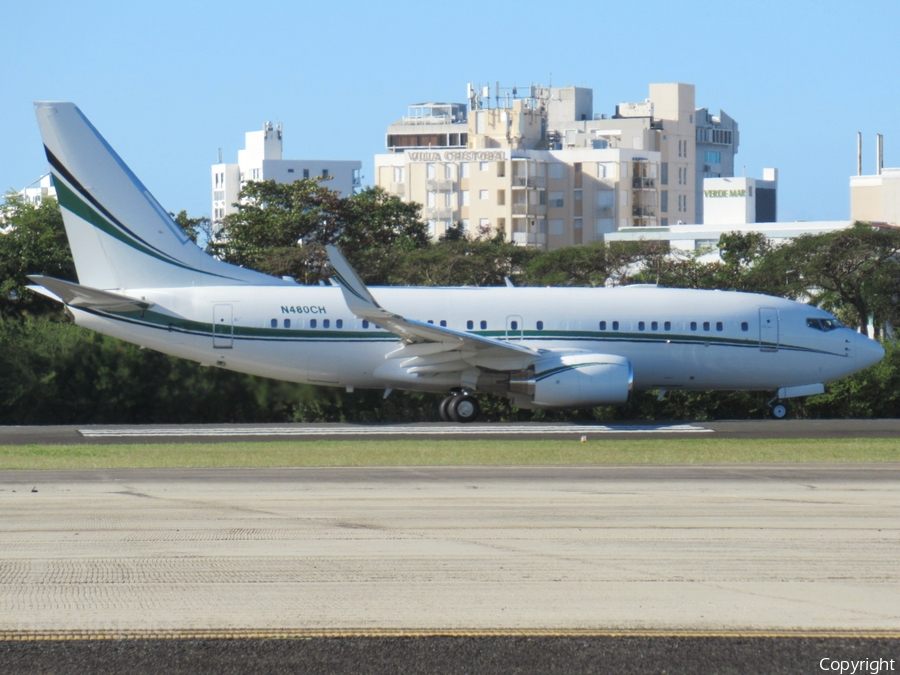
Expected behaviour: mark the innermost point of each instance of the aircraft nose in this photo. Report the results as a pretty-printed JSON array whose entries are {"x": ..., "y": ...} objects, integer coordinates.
[{"x": 868, "y": 351}]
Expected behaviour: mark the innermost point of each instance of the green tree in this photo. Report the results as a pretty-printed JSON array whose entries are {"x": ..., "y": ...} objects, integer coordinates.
[{"x": 32, "y": 241}]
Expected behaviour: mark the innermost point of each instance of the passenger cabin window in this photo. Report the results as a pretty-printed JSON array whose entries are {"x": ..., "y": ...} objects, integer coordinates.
[
  {"x": 514, "y": 325},
  {"x": 274, "y": 323},
  {"x": 431, "y": 321},
  {"x": 719, "y": 326},
  {"x": 540, "y": 325},
  {"x": 602, "y": 325},
  {"x": 706, "y": 325},
  {"x": 615, "y": 325},
  {"x": 470, "y": 324},
  {"x": 312, "y": 323},
  {"x": 443, "y": 323},
  {"x": 824, "y": 324},
  {"x": 667, "y": 325},
  {"x": 745, "y": 326},
  {"x": 326, "y": 323},
  {"x": 365, "y": 323},
  {"x": 654, "y": 325},
  {"x": 640, "y": 325},
  {"x": 287, "y": 323},
  {"x": 339, "y": 323},
  {"x": 693, "y": 325},
  {"x": 483, "y": 325}
]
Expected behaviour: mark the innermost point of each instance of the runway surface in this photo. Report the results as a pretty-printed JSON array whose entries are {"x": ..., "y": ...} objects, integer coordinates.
[
  {"x": 67, "y": 435},
  {"x": 736, "y": 549},
  {"x": 658, "y": 569}
]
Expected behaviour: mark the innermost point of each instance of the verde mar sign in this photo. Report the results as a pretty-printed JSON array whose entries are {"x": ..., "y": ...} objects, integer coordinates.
[{"x": 712, "y": 194}]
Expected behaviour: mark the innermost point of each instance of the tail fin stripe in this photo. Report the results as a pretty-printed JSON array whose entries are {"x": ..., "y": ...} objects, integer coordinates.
[
  {"x": 65, "y": 173},
  {"x": 71, "y": 201}
]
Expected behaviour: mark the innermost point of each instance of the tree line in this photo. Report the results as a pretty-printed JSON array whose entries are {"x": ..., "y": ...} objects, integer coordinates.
[{"x": 54, "y": 372}]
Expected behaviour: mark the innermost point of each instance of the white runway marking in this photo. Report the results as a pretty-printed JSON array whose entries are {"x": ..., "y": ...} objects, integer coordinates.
[{"x": 460, "y": 430}]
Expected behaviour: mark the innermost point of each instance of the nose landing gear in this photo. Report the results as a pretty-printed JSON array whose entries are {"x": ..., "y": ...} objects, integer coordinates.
[
  {"x": 779, "y": 409},
  {"x": 459, "y": 407}
]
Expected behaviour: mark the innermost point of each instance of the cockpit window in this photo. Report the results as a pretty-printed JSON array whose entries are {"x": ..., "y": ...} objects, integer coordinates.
[{"x": 824, "y": 324}]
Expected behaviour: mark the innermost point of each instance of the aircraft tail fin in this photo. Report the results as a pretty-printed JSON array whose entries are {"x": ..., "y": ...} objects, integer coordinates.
[{"x": 120, "y": 235}]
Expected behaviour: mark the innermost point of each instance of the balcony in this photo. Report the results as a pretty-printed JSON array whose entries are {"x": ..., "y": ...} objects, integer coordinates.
[
  {"x": 529, "y": 239},
  {"x": 440, "y": 185},
  {"x": 529, "y": 210},
  {"x": 398, "y": 189},
  {"x": 643, "y": 211},
  {"x": 532, "y": 182},
  {"x": 639, "y": 183},
  {"x": 438, "y": 213}
]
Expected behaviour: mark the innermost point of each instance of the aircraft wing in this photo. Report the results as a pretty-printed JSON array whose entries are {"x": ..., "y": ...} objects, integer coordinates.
[
  {"x": 426, "y": 348},
  {"x": 77, "y": 295}
]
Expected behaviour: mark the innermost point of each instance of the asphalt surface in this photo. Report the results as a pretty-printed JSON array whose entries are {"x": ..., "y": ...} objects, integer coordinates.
[
  {"x": 453, "y": 655},
  {"x": 754, "y": 429}
]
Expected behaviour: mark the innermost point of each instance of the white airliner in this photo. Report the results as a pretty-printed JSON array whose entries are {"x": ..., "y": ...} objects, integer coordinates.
[{"x": 142, "y": 280}]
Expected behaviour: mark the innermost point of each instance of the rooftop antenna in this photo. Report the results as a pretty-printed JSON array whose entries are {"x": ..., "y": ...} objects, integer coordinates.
[
  {"x": 859, "y": 153},
  {"x": 220, "y": 155},
  {"x": 879, "y": 153}
]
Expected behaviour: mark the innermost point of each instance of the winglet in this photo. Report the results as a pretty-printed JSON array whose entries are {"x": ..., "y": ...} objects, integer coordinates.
[{"x": 356, "y": 295}]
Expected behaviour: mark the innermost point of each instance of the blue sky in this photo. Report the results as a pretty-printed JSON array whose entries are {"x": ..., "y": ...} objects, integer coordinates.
[{"x": 168, "y": 83}]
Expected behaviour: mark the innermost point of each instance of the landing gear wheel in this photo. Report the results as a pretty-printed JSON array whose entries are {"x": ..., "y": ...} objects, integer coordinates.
[
  {"x": 444, "y": 409},
  {"x": 463, "y": 408},
  {"x": 779, "y": 410}
]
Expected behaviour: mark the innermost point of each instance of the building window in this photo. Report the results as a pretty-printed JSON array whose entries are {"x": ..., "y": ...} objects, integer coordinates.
[
  {"x": 482, "y": 194},
  {"x": 464, "y": 170},
  {"x": 557, "y": 171},
  {"x": 254, "y": 174},
  {"x": 578, "y": 223},
  {"x": 484, "y": 223},
  {"x": 448, "y": 199},
  {"x": 429, "y": 171},
  {"x": 465, "y": 197},
  {"x": 290, "y": 171},
  {"x": 664, "y": 201},
  {"x": 483, "y": 166},
  {"x": 430, "y": 199},
  {"x": 501, "y": 169},
  {"x": 501, "y": 197},
  {"x": 448, "y": 171},
  {"x": 578, "y": 195},
  {"x": 664, "y": 173},
  {"x": 398, "y": 174},
  {"x": 556, "y": 226},
  {"x": 556, "y": 199},
  {"x": 711, "y": 157},
  {"x": 325, "y": 174},
  {"x": 306, "y": 173}
]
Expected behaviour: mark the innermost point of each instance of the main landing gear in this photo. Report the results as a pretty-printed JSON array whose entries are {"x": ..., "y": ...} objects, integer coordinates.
[{"x": 460, "y": 406}]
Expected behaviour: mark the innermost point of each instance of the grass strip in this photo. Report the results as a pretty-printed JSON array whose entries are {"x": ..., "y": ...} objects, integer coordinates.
[{"x": 448, "y": 453}]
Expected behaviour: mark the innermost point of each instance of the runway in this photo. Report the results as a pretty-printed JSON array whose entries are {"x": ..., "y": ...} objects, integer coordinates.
[
  {"x": 664, "y": 550},
  {"x": 80, "y": 434}
]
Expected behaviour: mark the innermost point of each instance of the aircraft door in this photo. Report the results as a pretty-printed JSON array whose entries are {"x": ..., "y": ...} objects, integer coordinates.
[
  {"x": 223, "y": 326},
  {"x": 515, "y": 328},
  {"x": 768, "y": 329}
]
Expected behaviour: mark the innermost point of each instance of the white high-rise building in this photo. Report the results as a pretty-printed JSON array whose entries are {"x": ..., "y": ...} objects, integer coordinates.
[{"x": 261, "y": 160}]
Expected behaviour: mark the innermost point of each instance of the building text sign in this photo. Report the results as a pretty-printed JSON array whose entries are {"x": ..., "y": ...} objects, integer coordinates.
[
  {"x": 457, "y": 156},
  {"x": 713, "y": 194}
]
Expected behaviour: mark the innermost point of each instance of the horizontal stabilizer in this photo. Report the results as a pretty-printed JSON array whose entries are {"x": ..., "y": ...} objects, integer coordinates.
[{"x": 76, "y": 295}]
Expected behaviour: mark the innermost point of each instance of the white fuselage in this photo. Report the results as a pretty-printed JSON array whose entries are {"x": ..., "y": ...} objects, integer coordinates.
[{"x": 674, "y": 338}]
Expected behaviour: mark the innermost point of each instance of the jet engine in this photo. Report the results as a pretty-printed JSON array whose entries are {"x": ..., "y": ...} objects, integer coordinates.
[{"x": 573, "y": 381}]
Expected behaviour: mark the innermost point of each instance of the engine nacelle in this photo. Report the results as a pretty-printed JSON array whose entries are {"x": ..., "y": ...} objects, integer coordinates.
[{"x": 574, "y": 381}]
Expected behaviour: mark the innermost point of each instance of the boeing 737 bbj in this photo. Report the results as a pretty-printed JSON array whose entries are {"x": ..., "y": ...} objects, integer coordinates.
[{"x": 142, "y": 280}]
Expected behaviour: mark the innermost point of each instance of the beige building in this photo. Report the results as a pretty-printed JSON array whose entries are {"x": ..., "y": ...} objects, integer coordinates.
[
  {"x": 543, "y": 168},
  {"x": 876, "y": 199}
]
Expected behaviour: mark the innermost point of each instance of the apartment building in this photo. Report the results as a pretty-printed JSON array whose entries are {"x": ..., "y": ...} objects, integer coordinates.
[
  {"x": 542, "y": 167},
  {"x": 261, "y": 159}
]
